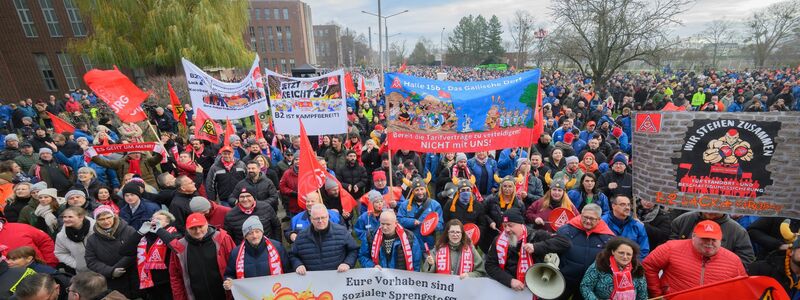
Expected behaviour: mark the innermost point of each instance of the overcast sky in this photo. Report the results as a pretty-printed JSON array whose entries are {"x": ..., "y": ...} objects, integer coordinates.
[{"x": 428, "y": 17}]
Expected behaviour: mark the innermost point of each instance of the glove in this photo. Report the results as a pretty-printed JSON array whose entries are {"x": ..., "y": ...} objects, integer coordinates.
[
  {"x": 145, "y": 228},
  {"x": 118, "y": 272},
  {"x": 42, "y": 210},
  {"x": 156, "y": 227},
  {"x": 158, "y": 149}
]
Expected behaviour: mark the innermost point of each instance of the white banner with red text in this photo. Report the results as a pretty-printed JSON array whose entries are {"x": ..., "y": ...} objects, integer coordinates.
[
  {"x": 221, "y": 100},
  {"x": 372, "y": 284}
]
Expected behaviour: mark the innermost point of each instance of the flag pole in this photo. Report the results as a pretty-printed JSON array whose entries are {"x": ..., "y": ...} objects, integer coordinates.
[{"x": 158, "y": 139}]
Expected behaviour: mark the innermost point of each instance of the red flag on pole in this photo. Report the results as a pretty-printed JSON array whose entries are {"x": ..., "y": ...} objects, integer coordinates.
[
  {"x": 363, "y": 89},
  {"x": 259, "y": 128},
  {"x": 538, "y": 118},
  {"x": 228, "y": 132},
  {"x": 177, "y": 107},
  {"x": 59, "y": 125},
  {"x": 347, "y": 200},
  {"x": 116, "y": 90},
  {"x": 205, "y": 128},
  {"x": 753, "y": 287},
  {"x": 350, "y": 87},
  {"x": 402, "y": 67},
  {"x": 311, "y": 175}
]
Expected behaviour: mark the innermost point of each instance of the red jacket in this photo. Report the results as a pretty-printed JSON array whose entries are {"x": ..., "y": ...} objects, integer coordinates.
[
  {"x": 288, "y": 190},
  {"x": 684, "y": 268},
  {"x": 216, "y": 216},
  {"x": 73, "y": 106},
  {"x": 15, "y": 235},
  {"x": 179, "y": 274}
]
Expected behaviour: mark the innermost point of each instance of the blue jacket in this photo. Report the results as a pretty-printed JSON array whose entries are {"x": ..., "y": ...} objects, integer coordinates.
[
  {"x": 365, "y": 223},
  {"x": 301, "y": 222},
  {"x": 432, "y": 164},
  {"x": 735, "y": 107},
  {"x": 578, "y": 145},
  {"x": 256, "y": 260},
  {"x": 142, "y": 214},
  {"x": 582, "y": 253},
  {"x": 491, "y": 168},
  {"x": 505, "y": 164},
  {"x": 624, "y": 143},
  {"x": 558, "y": 134},
  {"x": 396, "y": 261},
  {"x": 402, "y": 199},
  {"x": 336, "y": 246},
  {"x": 585, "y": 136},
  {"x": 406, "y": 219},
  {"x": 626, "y": 125},
  {"x": 633, "y": 230},
  {"x": 579, "y": 199},
  {"x": 107, "y": 176},
  {"x": 80, "y": 133}
]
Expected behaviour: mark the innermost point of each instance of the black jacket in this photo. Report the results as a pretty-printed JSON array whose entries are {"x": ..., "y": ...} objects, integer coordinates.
[
  {"x": 179, "y": 207},
  {"x": 657, "y": 224},
  {"x": 772, "y": 266},
  {"x": 269, "y": 219},
  {"x": 221, "y": 181},
  {"x": 543, "y": 243},
  {"x": 103, "y": 256},
  {"x": 130, "y": 247},
  {"x": 624, "y": 184},
  {"x": 766, "y": 233},
  {"x": 353, "y": 175},
  {"x": 263, "y": 188}
]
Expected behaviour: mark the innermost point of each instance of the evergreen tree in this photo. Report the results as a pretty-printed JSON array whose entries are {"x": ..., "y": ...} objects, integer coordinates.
[
  {"x": 494, "y": 41},
  {"x": 420, "y": 55}
]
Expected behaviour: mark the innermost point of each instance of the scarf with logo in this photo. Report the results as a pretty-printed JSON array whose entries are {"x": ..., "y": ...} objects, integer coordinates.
[
  {"x": 525, "y": 261},
  {"x": 623, "y": 281},
  {"x": 466, "y": 263},
  {"x": 275, "y": 267},
  {"x": 153, "y": 259},
  {"x": 401, "y": 234}
]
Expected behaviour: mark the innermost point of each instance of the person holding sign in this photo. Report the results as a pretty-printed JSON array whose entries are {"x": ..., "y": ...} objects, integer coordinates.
[
  {"x": 391, "y": 246},
  {"x": 455, "y": 254},
  {"x": 256, "y": 256},
  {"x": 414, "y": 214},
  {"x": 541, "y": 209}
]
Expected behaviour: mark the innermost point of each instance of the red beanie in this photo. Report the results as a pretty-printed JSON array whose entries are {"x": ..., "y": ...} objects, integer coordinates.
[
  {"x": 569, "y": 137},
  {"x": 617, "y": 132},
  {"x": 378, "y": 175}
]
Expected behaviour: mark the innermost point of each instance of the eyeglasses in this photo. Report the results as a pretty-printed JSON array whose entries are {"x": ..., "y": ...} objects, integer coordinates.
[
  {"x": 623, "y": 204},
  {"x": 590, "y": 219}
]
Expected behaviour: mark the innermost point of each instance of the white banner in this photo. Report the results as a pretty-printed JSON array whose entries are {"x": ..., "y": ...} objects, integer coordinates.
[
  {"x": 317, "y": 101},
  {"x": 372, "y": 284},
  {"x": 372, "y": 83},
  {"x": 222, "y": 100}
]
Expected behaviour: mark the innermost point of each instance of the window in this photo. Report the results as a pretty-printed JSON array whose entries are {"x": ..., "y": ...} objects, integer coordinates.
[
  {"x": 289, "y": 39},
  {"x": 283, "y": 65},
  {"x": 261, "y": 40},
  {"x": 258, "y": 14},
  {"x": 253, "y": 45},
  {"x": 25, "y": 18},
  {"x": 271, "y": 39},
  {"x": 47, "y": 72},
  {"x": 285, "y": 14},
  {"x": 280, "y": 38},
  {"x": 291, "y": 63},
  {"x": 87, "y": 63},
  {"x": 267, "y": 14},
  {"x": 69, "y": 71},
  {"x": 275, "y": 64},
  {"x": 277, "y": 13},
  {"x": 75, "y": 21},
  {"x": 50, "y": 18}
]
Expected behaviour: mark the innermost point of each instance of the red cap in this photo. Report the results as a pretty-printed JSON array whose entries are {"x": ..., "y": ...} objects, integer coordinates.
[
  {"x": 226, "y": 148},
  {"x": 378, "y": 175},
  {"x": 569, "y": 137},
  {"x": 379, "y": 127},
  {"x": 617, "y": 132},
  {"x": 590, "y": 123},
  {"x": 708, "y": 229},
  {"x": 196, "y": 219}
]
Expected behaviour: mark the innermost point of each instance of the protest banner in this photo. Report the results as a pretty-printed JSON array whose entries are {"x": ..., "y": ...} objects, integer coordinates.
[
  {"x": 427, "y": 115},
  {"x": 372, "y": 284},
  {"x": 736, "y": 163},
  {"x": 130, "y": 147},
  {"x": 222, "y": 100},
  {"x": 319, "y": 101},
  {"x": 372, "y": 83}
]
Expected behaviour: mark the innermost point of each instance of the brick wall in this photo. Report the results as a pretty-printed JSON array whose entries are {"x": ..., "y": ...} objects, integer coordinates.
[{"x": 654, "y": 171}]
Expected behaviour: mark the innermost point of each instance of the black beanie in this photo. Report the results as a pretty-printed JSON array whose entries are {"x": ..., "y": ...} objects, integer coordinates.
[{"x": 131, "y": 188}]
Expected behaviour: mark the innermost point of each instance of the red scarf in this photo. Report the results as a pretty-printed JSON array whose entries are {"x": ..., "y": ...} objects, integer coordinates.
[
  {"x": 134, "y": 166},
  {"x": 248, "y": 211},
  {"x": 525, "y": 261},
  {"x": 110, "y": 203},
  {"x": 455, "y": 172},
  {"x": 153, "y": 259},
  {"x": 466, "y": 263},
  {"x": 377, "y": 243},
  {"x": 623, "y": 282},
  {"x": 523, "y": 186},
  {"x": 228, "y": 164},
  {"x": 275, "y": 267},
  {"x": 600, "y": 228}
]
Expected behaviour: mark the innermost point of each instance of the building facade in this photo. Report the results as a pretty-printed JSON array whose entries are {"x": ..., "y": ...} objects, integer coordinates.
[
  {"x": 281, "y": 32},
  {"x": 328, "y": 42},
  {"x": 34, "y": 62}
]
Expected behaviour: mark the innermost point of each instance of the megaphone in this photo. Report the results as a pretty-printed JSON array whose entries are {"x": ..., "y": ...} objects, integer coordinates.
[{"x": 544, "y": 279}]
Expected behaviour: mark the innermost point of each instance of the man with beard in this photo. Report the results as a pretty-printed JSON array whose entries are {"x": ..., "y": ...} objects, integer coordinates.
[
  {"x": 335, "y": 155},
  {"x": 594, "y": 148},
  {"x": 333, "y": 200},
  {"x": 587, "y": 234},
  {"x": 253, "y": 150},
  {"x": 623, "y": 224},
  {"x": 391, "y": 195},
  {"x": 516, "y": 249},
  {"x": 40, "y": 138},
  {"x": 48, "y": 170},
  {"x": 616, "y": 181},
  {"x": 690, "y": 263},
  {"x": 69, "y": 148},
  {"x": 783, "y": 266},
  {"x": 420, "y": 206},
  {"x": 352, "y": 175},
  {"x": 285, "y": 164},
  {"x": 226, "y": 172},
  {"x": 259, "y": 184},
  {"x": 571, "y": 173},
  {"x": 390, "y": 247},
  {"x": 198, "y": 261}
]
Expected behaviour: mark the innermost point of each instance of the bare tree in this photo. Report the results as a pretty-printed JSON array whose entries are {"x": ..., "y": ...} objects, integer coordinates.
[
  {"x": 600, "y": 36},
  {"x": 771, "y": 27},
  {"x": 398, "y": 51},
  {"x": 716, "y": 33},
  {"x": 521, "y": 29}
]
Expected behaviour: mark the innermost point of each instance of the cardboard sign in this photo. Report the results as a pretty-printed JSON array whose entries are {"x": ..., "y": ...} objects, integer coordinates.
[
  {"x": 473, "y": 232},
  {"x": 559, "y": 216},
  {"x": 429, "y": 224}
]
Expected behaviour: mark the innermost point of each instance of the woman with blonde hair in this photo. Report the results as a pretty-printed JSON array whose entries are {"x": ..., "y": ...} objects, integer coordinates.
[{"x": 539, "y": 212}]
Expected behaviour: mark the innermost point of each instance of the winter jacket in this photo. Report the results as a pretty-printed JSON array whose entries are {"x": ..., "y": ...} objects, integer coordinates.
[
  {"x": 483, "y": 180},
  {"x": 179, "y": 207},
  {"x": 543, "y": 243},
  {"x": 400, "y": 158},
  {"x": 88, "y": 190},
  {"x": 418, "y": 212},
  {"x": 599, "y": 285},
  {"x": 335, "y": 159},
  {"x": 220, "y": 182},
  {"x": 624, "y": 183},
  {"x": 269, "y": 219},
  {"x": 161, "y": 277},
  {"x": 142, "y": 214},
  {"x": 506, "y": 164},
  {"x": 73, "y": 254},
  {"x": 366, "y": 223},
  {"x": 106, "y": 176},
  {"x": 56, "y": 176},
  {"x": 216, "y": 215},
  {"x": 324, "y": 250},
  {"x": 684, "y": 268},
  {"x": 578, "y": 198},
  {"x": 774, "y": 266},
  {"x": 396, "y": 259},
  {"x": 734, "y": 236},
  {"x": 147, "y": 165},
  {"x": 10, "y": 278},
  {"x": 179, "y": 268},
  {"x": 535, "y": 190},
  {"x": 478, "y": 216},
  {"x": 765, "y": 233},
  {"x": 537, "y": 210},
  {"x": 583, "y": 250},
  {"x": 15, "y": 235},
  {"x": 257, "y": 260},
  {"x": 288, "y": 190},
  {"x": 302, "y": 222},
  {"x": 631, "y": 229},
  {"x": 263, "y": 188},
  {"x": 25, "y": 162},
  {"x": 492, "y": 203},
  {"x": 656, "y": 223},
  {"x": 354, "y": 175},
  {"x": 103, "y": 256}
]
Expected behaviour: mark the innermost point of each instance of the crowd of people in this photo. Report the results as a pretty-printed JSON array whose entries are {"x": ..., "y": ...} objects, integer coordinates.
[{"x": 138, "y": 225}]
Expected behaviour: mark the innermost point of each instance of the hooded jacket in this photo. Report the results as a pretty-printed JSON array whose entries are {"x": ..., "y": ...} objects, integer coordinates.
[{"x": 584, "y": 247}]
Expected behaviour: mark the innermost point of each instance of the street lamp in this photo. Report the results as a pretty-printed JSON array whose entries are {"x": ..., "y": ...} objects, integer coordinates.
[
  {"x": 441, "y": 50},
  {"x": 380, "y": 42},
  {"x": 385, "y": 29},
  {"x": 388, "y": 53}
]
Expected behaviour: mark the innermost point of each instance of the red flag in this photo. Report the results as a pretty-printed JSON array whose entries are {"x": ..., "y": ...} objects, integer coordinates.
[
  {"x": 205, "y": 128},
  {"x": 116, "y": 90},
  {"x": 59, "y": 125},
  {"x": 229, "y": 131},
  {"x": 350, "y": 87},
  {"x": 311, "y": 175},
  {"x": 363, "y": 89},
  {"x": 259, "y": 128},
  {"x": 177, "y": 108},
  {"x": 753, "y": 287},
  {"x": 538, "y": 118},
  {"x": 402, "y": 68}
]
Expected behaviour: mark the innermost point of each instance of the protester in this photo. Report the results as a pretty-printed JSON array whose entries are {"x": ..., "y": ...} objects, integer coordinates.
[
  {"x": 455, "y": 254},
  {"x": 25, "y": 257},
  {"x": 324, "y": 246},
  {"x": 302, "y": 221},
  {"x": 588, "y": 234},
  {"x": 391, "y": 246},
  {"x": 247, "y": 206},
  {"x": 539, "y": 212},
  {"x": 214, "y": 213},
  {"x": 70, "y": 244},
  {"x": 617, "y": 273},
  {"x": 136, "y": 210},
  {"x": 412, "y": 214},
  {"x": 91, "y": 285},
  {"x": 198, "y": 261},
  {"x": 783, "y": 266},
  {"x": 623, "y": 224},
  {"x": 103, "y": 252},
  {"x": 735, "y": 238},
  {"x": 256, "y": 256}
]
